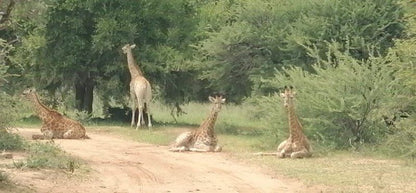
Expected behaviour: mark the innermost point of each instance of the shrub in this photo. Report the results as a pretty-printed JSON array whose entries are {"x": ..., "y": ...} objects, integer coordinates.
[
  {"x": 3, "y": 177},
  {"x": 48, "y": 155},
  {"x": 341, "y": 104},
  {"x": 10, "y": 141}
]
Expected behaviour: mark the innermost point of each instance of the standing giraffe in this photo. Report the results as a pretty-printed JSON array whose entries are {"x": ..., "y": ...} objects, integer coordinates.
[
  {"x": 54, "y": 124},
  {"x": 204, "y": 138},
  {"x": 297, "y": 145},
  {"x": 140, "y": 90}
]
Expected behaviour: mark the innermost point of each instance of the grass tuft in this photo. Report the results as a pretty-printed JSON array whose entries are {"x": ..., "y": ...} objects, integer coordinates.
[
  {"x": 9, "y": 141},
  {"x": 49, "y": 155}
]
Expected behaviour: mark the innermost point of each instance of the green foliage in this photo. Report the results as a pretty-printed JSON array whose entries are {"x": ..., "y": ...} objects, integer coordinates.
[
  {"x": 8, "y": 104},
  {"x": 4, "y": 178},
  {"x": 402, "y": 142},
  {"x": 49, "y": 155},
  {"x": 10, "y": 141},
  {"x": 342, "y": 103},
  {"x": 257, "y": 36}
]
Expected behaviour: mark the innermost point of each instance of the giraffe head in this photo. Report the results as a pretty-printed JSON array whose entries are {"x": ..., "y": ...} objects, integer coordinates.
[
  {"x": 288, "y": 96},
  {"x": 217, "y": 100},
  {"x": 128, "y": 47},
  {"x": 29, "y": 93}
]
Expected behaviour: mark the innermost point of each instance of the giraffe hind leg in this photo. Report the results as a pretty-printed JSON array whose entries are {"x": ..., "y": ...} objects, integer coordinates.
[
  {"x": 68, "y": 134},
  {"x": 148, "y": 115},
  {"x": 140, "y": 119},
  {"x": 301, "y": 154},
  {"x": 133, "y": 116},
  {"x": 179, "y": 149},
  {"x": 181, "y": 142}
]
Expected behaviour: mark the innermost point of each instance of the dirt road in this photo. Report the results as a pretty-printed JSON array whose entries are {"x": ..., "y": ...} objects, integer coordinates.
[{"x": 120, "y": 165}]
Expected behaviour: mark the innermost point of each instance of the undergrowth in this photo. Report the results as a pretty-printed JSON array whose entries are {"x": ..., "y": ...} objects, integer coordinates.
[
  {"x": 9, "y": 141},
  {"x": 48, "y": 155}
]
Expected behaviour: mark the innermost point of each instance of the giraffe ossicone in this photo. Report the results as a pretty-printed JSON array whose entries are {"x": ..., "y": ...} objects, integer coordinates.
[
  {"x": 54, "y": 124},
  {"x": 140, "y": 89},
  {"x": 204, "y": 138}
]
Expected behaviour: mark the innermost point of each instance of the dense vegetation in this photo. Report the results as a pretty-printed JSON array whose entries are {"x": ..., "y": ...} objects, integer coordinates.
[{"x": 351, "y": 62}]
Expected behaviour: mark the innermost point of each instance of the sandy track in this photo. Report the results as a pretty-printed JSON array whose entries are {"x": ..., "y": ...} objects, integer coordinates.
[{"x": 119, "y": 165}]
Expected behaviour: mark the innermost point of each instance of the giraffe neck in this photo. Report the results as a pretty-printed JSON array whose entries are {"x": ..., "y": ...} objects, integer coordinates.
[
  {"x": 133, "y": 68},
  {"x": 40, "y": 108},
  {"x": 209, "y": 123},
  {"x": 295, "y": 127}
]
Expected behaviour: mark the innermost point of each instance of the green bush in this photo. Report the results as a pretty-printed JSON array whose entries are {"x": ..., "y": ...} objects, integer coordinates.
[
  {"x": 340, "y": 105},
  {"x": 3, "y": 177},
  {"x": 10, "y": 141},
  {"x": 402, "y": 139},
  {"x": 48, "y": 155},
  {"x": 402, "y": 142}
]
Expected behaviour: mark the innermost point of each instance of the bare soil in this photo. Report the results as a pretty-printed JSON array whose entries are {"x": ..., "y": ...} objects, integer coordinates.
[{"x": 119, "y": 165}]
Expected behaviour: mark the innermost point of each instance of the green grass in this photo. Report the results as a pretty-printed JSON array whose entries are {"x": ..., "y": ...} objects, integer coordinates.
[
  {"x": 232, "y": 118},
  {"x": 347, "y": 172},
  {"x": 48, "y": 155}
]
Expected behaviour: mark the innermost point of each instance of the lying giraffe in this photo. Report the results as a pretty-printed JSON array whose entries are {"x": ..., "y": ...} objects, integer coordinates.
[
  {"x": 204, "y": 138},
  {"x": 297, "y": 145},
  {"x": 54, "y": 124}
]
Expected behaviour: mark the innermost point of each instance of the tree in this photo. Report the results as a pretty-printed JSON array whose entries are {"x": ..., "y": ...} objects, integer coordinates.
[
  {"x": 78, "y": 47},
  {"x": 254, "y": 37}
]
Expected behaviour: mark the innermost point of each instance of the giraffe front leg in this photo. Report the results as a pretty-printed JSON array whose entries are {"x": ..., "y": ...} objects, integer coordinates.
[
  {"x": 133, "y": 106},
  {"x": 281, "y": 149},
  {"x": 48, "y": 134},
  {"x": 218, "y": 148}
]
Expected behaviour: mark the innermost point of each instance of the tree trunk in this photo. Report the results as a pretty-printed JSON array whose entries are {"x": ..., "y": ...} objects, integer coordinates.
[
  {"x": 88, "y": 96},
  {"x": 84, "y": 95}
]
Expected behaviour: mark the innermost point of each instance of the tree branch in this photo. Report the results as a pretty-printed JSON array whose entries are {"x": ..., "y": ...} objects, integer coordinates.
[{"x": 6, "y": 15}]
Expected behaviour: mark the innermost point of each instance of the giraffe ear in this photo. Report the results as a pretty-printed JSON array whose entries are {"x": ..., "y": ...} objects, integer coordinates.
[
  {"x": 133, "y": 46},
  {"x": 282, "y": 94},
  {"x": 223, "y": 100},
  {"x": 212, "y": 99}
]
